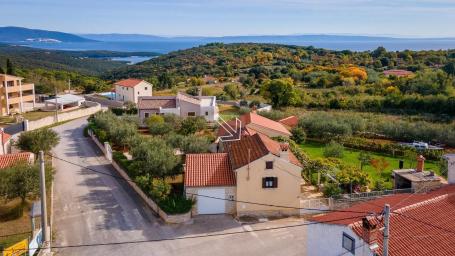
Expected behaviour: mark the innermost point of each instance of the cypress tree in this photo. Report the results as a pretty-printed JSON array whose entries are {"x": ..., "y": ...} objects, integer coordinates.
[{"x": 9, "y": 67}]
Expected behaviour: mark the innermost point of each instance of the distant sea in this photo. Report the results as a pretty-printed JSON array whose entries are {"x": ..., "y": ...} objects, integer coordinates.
[{"x": 172, "y": 45}]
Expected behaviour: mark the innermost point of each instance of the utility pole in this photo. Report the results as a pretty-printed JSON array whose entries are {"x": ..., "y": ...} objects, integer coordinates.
[
  {"x": 385, "y": 250},
  {"x": 43, "y": 197},
  {"x": 56, "y": 105},
  {"x": 69, "y": 85}
]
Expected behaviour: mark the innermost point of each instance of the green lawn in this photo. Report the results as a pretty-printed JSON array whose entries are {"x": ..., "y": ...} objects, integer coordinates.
[
  {"x": 315, "y": 150},
  {"x": 35, "y": 115},
  {"x": 228, "y": 112}
]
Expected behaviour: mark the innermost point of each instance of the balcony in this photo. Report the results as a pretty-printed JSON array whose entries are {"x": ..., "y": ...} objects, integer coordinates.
[
  {"x": 17, "y": 99},
  {"x": 25, "y": 87}
]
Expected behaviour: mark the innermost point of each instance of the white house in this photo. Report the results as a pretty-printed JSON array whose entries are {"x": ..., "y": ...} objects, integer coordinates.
[
  {"x": 182, "y": 104},
  {"x": 129, "y": 90}
]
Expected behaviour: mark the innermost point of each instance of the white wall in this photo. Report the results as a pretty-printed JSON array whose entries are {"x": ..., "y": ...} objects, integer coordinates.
[
  {"x": 124, "y": 93},
  {"x": 451, "y": 168},
  {"x": 326, "y": 239},
  {"x": 142, "y": 89}
]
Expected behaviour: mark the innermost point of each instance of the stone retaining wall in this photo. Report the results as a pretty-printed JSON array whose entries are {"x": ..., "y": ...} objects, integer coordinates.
[{"x": 173, "y": 219}]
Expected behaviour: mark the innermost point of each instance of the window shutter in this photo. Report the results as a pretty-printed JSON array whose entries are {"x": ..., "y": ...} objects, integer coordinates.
[
  {"x": 263, "y": 182},
  {"x": 275, "y": 182}
]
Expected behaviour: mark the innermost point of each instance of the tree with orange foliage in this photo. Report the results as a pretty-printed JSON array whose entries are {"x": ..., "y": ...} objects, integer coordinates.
[
  {"x": 380, "y": 164},
  {"x": 355, "y": 72}
]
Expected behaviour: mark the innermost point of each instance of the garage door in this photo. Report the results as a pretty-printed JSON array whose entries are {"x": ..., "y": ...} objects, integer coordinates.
[{"x": 207, "y": 205}]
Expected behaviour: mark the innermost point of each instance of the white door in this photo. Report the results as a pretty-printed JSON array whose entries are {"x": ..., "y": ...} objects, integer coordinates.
[{"x": 206, "y": 205}]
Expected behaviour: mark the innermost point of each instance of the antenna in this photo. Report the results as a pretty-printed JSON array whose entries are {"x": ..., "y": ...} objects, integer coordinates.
[{"x": 231, "y": 131}]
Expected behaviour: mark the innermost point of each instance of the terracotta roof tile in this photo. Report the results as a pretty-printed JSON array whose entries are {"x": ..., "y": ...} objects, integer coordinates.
[
  {"x": 253, "y": 118},
  {"x": 397, "y": 72},
  {"x": 11, "y": 159},
  {"x": 408, "y": 236},
  {"x": 4, "y": 137},
  {"x": 290, "y": 121},
  {"x": 155, "y": 102},
  {"x": 211, "y": 169},
  {"x": 129, "y": 82},
  {"x": 258, "y": 145}
]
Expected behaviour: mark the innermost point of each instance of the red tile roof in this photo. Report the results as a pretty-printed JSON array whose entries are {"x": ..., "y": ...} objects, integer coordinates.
[
  {"x": 290, "y": 121},
  {"x": 11, "y": 159},
  {"x": 408, "y": 236},
  {"x": 258, "y": 145},
  {"x": 397, "y": 72},
  {"x": 253, "y": 118},
  {"x": 130, "y": 82},
  {"x": 211, "y": 169},
  {"x": 155, "y": 102},
  {"x": 4, "y": 137}
]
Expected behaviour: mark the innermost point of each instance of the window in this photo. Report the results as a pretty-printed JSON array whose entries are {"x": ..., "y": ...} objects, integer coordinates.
[
  {"x": 145, "y": 88},
  {"x": 269, "y": 182},
  {"x": 191, "y": 113},
  {"x": 137, "y": 93},
  {"x": 146, "y": 115},
  {"x": 206, "y": 113},
  {"x": 269, "y": 165},
  {"x": 348, "y": 243}
]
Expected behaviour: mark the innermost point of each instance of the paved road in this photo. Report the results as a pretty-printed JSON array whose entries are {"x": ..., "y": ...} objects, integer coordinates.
[{"x": 91, "y": 208}]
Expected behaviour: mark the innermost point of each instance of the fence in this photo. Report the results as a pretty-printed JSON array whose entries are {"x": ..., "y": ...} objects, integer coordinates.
[{"x": 318, "y": 205}]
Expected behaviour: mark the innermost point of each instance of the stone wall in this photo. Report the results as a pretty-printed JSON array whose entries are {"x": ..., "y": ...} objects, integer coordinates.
[
  {"x": 173, "y": 219},
  {"x": 90, "y": 108}
]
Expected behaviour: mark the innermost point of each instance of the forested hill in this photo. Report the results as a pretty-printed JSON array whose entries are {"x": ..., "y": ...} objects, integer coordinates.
[
  {"x": 18, "y": 34},
  {"x": 227, "y": 60},
  {"x": 84, "y": 62}
]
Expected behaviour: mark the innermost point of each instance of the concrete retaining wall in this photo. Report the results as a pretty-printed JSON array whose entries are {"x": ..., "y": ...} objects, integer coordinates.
[
  {"x": 91, "y": 108},
  {"x": 173, "y": 219}
]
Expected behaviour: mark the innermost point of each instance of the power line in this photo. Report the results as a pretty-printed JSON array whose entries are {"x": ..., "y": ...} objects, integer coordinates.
[
  {"x": 196, "y": 236},
  {"x": 218, "y": 198}
]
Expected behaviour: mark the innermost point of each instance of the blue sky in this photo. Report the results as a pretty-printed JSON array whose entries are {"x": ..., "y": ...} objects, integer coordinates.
[{"x": 433, "y": 18}]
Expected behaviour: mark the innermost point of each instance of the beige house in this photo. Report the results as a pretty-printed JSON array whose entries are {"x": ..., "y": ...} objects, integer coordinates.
[
  {"x": 256, "y": 172},
  {"x": 182, "y": 104},
  {"x": 15, "y": 96},
  {"x": 129, "y": 90}
]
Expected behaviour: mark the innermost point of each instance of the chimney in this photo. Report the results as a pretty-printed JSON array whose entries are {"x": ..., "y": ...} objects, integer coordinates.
[
  {"x": 284, "y": 151},
  {"x": 450, "y": 168},
  {"x": 420, "y": 163},
  {"x": 370, "y": 230}
]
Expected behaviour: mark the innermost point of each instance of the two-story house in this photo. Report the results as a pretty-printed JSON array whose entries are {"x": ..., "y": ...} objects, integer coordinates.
[
  {"x": 129, "y": 90},
  {"x": 15, "y": 96},
  {"x": 253, "y": 169},
  {"x": 182, "y": 104}
]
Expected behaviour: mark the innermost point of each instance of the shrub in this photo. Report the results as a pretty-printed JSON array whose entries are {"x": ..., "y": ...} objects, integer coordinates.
[
  {"x": 160, "y": 189},
  {"x": 159, "y": 128},
  {"x": 190, "y": 125},
  {"x": 334, "y": 149},
  {"x": 332, "y": 190},
  {"x": 176, "y": 204},
  {"x": 273, "y": 114},
  {"x": 154, "y": 119},
  {"x": 34, "y": 141},
  {"x": 298, "y": 135},
  {"x": 195, "y": 144}
]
